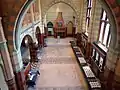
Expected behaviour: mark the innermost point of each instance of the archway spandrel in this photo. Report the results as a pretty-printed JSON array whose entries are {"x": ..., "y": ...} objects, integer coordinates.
[
  {"x": 11, "y": 11},
  {"x": 12, "y": 19},
  {"x": 10, "y": 27}
]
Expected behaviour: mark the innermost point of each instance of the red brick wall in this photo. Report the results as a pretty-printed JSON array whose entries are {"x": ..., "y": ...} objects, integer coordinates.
[{"x": 9, "y": 10}]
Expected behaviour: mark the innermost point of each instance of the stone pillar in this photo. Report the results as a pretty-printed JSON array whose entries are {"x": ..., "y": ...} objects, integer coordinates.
[
  {"x": 33, "y": 21},
  {"x": 8, "y": 71},
  {"x": 18, "y": 69},
  {"x": 81, "y": 16},
  {"x": 93, "y": 29},
  {"x": 84, "y": 16},
  {"x": 39, "y": 8},
  {"x": 32, "y": 13}
]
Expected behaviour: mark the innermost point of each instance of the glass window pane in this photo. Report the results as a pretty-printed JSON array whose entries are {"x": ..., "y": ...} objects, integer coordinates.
[
  {"x": 88, "y": 12},
  {"x": 109, "y": 41},
  {"x": 93, "y": 52},
  {"x": 90, "y": 3},
  {"x": 104, "y": 15},
  {"x": 107, "y": 28},
  {"x": 87, "y": 22},
  {"x": 101, "y": 31},
  {"x": 101, "y": 63},
  {"x": 107, "y": 19},
  {"x": 97, "y": 56}
]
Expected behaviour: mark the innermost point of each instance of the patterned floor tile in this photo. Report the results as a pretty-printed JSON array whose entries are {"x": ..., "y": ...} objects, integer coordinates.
[{"x": 58, "y": 67}]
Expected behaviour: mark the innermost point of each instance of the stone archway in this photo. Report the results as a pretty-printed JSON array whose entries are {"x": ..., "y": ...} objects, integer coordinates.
[
  {"x": 19, "y": 7},
  {"x": 113, "y": 53},
  {"x": 114, "y": 6},
  {"x": 25, "y": 48},
  {"x": 18, "y": 22},
  {"x": 113, "y": 57},
  {"x": 50, "y": 28},
  {"x": 67, "y": 2},
  {"x": 50, "y": 24}
]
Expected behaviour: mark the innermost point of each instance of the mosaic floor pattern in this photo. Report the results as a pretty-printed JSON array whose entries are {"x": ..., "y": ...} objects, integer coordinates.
[{"x": 58, "y": 67}]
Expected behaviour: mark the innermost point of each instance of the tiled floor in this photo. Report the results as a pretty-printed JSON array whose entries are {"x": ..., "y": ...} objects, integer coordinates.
[{"x": 58, "y": 67}]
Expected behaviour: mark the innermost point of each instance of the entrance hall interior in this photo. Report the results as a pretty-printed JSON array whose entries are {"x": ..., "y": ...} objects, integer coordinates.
[{"x": 59, "y": 45}]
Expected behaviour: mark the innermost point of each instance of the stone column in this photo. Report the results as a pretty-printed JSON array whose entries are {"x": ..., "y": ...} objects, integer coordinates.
[
  {"x": 39, "y": 8},
  {"x": 84, "y": 16},
  {"x": 18, "y": 70},
  {"x": 8, "y": 71},
  {"x": 93, "y": 29},
  {"x": 33, "y": 21},
  {"x": 81, "y": 15},
  {"x": 32, "y": 13}
]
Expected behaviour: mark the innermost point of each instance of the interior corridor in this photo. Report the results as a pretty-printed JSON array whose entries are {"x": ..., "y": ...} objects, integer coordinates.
[
  {"x": 58, "y": 67},
  {"x": 28, "y": 45}
]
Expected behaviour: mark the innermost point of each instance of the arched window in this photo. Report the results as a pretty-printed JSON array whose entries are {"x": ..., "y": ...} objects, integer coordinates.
[
  {"x": 104, "y": 30},
  {"x": 88, "y": 13}
]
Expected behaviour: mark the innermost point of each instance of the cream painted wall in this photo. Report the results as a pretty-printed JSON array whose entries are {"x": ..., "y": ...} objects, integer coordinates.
[
  {"x": 76, "y": 4},
  {"x": 67, "y": 13}
]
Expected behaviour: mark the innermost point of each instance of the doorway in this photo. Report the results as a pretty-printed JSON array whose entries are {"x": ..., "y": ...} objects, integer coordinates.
[{"x": 50, "y": 29}]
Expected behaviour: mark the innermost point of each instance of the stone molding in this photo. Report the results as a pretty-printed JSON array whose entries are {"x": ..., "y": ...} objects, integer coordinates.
[
  {"x": 68, "y": 2},
  {"x": 2, "y": 37},
  {"x": 112, "y": 57}
]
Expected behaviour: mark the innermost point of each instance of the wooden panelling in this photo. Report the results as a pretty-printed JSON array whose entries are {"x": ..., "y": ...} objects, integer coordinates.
[
  {"x": 91, "y": 80},
  {"x": 98, "y": 60},
  {"x": 82, "y": 40}
]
